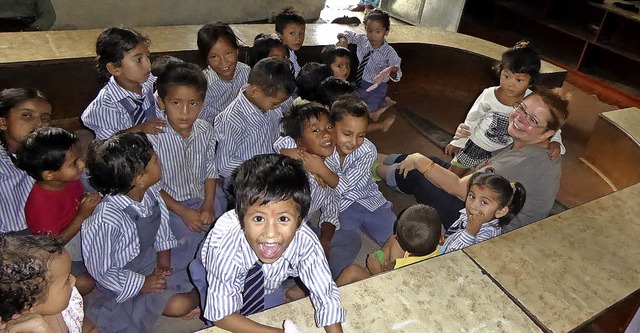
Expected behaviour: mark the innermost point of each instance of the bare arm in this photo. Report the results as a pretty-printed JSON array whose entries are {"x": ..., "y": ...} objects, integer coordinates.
[
  {"x": 239, "y": 323},
  {"x": 436, "y": 174}
]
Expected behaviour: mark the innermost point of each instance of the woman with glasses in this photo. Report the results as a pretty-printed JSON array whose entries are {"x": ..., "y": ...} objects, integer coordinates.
[{"x": 531, "y": 125}]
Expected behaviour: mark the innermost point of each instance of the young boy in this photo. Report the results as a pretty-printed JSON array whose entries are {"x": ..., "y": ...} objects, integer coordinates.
[
  {"x": 339, "y": 59},
  {"x": 186, "y": 153},
  {"x": 310, "y": 77},
  {"x": 309, "y": 125},
  {"x": 251, "y": 250},
  {"x": 126, "y": 103},
  {"x": 290, "y": 27},
  {"x": 251, "y": 123}
]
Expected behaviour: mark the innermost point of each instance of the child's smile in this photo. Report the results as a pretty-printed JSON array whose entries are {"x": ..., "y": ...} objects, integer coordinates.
[
  {"x": 223, "y": 58},
  {"x": 350, "y": 133},
  {"x": 317, "y": 138},
  {"x": 270, "y": 228}
]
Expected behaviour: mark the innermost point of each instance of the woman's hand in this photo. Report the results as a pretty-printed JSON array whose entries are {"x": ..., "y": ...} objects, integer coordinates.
[{"x": 410, "y": 163}]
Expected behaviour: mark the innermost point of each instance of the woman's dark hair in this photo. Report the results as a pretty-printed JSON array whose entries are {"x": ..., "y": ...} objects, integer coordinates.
[
  {"x": 331, "y": 89},
  {"x": 114, "y": 163},
  {"x": 522, "y": 58},
  {"x": 270, "y": 178},
  {"x": 287, "y": 16},
  {"x": 348, "y": 106},
  {"x": 418, "y": 229},
  {"x": 182, "y": 74},
  {"x": 25, "y": 262},
  {"x": 113, "y": 43},
  {"x": 45, "y": 149},
  {"x": 380, "y": 16},
  {"x": 263, "y": 44},
  {"x": 309, "y": 79},
  {"x": 510, "y": 195},
  {"x": 297, "y": 116},
  {"x": 12, "y": 97},
  {"x": 209, "y": 34},
  {"x": 330, "y": 52}
]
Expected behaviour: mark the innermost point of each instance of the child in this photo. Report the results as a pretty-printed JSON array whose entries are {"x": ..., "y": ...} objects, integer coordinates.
[
  {"x": 339, "y": 59},
  {"x": 186, "y": 152},
  {"x": 310, "y": 77},
  {"x": 127, "y": 240},
  {"x": 126, "y": 103},
  {"x": 418, "y": 235},
  {"x": 309, "y": 125},
  {"x": 53, "y": 157},
  {"x": 377, "y": 59},
  {"x": 492, "y": 201},
  {"x": 267, "y": 46},
  {"x": 365, "y": 5},
  {"x": 218, "y": 47},
  {"x": 251, "y": 123},
  {"x": 290, "y": 27},
  {"x": 36, "y": 286},
  {"x": 264, "y": 241},
  {"x": 21, "y": 111},
  {"x": 160, "y": 64},
  {"x": 488, "y": 117}
]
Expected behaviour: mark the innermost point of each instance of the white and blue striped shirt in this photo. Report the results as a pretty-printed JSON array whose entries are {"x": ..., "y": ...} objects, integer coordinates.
[
  {"x": 462, "y": 238},
  {"x": 110, "y": 240},
  {"x": 186, "y": 162},
  {"x": 227, "y": 256},
  {"x": 380, "y": 58},
  {"x": 107, "y": 114},
  {"x": 294, "y": 61},
  {"x": 243, "y": 131},
  {"x": 220, "y": 93},
  {"x": 15, "y": 185}
]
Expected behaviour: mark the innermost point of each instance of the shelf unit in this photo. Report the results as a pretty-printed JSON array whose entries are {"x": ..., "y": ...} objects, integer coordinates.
[{"x": 599, "y": 41}]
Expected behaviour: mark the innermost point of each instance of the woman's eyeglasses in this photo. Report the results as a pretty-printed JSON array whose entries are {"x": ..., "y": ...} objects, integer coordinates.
[{"x": 532, "y": 121}]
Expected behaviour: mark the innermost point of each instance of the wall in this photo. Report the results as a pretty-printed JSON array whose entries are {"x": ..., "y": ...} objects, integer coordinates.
[
  {"x": 90, "y": 14},
  {"x": 442, "y": 14}
]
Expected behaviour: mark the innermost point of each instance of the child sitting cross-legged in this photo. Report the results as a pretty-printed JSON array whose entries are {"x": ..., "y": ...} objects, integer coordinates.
[{"x": 252, "y": 249}]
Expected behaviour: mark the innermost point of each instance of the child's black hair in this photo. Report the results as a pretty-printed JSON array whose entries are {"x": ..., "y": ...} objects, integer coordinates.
[
  {"x": 348, "y": 106},
  {"x": 331, "y": 89},
  {"x": 208, "y": 36},
  {"x": 263, "y": 44},
  {"x": 309, "y": 79},
  {"x": 183, "y": 74},
  {"x": 297, "y": 116},
  {"x": 287, "y": 16},
  {"x": 25, "y": 262},
  {"x": 418, "y": 229},
  {"x": 159, "y": 65},
  {"x": 114, "y": 163},
  {"x": 270, "y": 178},
  {"x": 273, "y": 76},
  {"x": 45, "y": 149},
  {"x": 510, "y": 194},
  {"x": 330, "y": 52},
  {"x": 522, "y": 58},
  {"x": 380, "y": 16},
  {"x": 113, "y": 43},
  {"x": 12, "y": 97}
]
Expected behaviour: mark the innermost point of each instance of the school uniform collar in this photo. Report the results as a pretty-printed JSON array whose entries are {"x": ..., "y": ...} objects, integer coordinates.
[
  {"x": 212, "y": 76},
  {"x": 120, "y": 93},
  {"x": 122, "y": 201}
]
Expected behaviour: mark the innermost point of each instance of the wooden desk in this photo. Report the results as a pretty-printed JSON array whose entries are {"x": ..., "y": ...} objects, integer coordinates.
[
  {"x": 568, "y": 268},
  {"x": 444, "y": 294}
]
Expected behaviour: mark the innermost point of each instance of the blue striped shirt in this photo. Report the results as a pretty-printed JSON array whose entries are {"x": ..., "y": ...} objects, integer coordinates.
[
  {"x": 222, "y": 92},
  {"x": 107, "y": 114},
  {"x": 243, "y": 131},
  {"x": 15, "y": 186},
  {"x": 110, "y": 241},
  {"x": 294, "y": 61},
  {"x": 186, "y": 162},
  {"x": 227, "y": 256},
  {"x": 380, "y": 58},
  {"x": 462, "y": 238}
]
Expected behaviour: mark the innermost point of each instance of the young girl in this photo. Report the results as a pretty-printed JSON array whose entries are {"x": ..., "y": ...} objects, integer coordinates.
[
  {"x": 488, "y": 117},
  {"x": 290, "y": 27},
  {"x": 21, "y": 111},
  {"x": 266, "y": 46},
  {"x": 36, "y": 287},
  {"x": 127, "y": 240},
  {"x": 492, "y": 201},
  {"x": 218, "y": 47},
  {"x": 379, "y": 62},
  {"x": 126, "y": 103},
  {"x": 339, "y": 59}
]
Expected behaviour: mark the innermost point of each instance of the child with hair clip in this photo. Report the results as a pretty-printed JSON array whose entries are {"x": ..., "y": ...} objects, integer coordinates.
[
  {"x": 378, "y": 61},
  {"x": 56, "y": 203},
  {"x": 127, "y": 241},
  {"x": 267, "y": 46},
  {"x": 492, "y": 201},
  {"x": 21, "y": 111},
  {"x": 487, "y": 119},
  {"x": 36, "y": 287},
  {"x": 218, "y": 48},
  {"x": 186, "y": 153},
  {"x": 126, "y": 103},
  {"x": 290, "y": 27}
]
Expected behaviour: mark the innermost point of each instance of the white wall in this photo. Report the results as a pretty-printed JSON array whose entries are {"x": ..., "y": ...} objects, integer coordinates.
[{"x": 442, "y": 14}]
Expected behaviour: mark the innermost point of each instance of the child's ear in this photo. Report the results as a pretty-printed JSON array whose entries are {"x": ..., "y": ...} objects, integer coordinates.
[
  {"x": 502, "y": 212},
  {"x": 160, "y": 103},
  {"x": 113, "y": 69},
  {"x": 138, "y": 181},
  {"x": 47, "y": 175},
  {"x": 3, "y": 124}
]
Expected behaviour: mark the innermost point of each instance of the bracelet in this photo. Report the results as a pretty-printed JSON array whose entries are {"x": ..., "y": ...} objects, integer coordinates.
[{"x": 429, "y": 166}]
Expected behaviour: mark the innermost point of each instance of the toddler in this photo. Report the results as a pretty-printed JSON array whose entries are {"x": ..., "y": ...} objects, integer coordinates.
[
  {"x": 492, "y": 201},
  {"x": 218, "y": 47},
  {"x": 290, "y": 27},
  {"x": 126, "y": 102},
  {"x": 21, "y": 111},
  {"x": 339, "y": 59}
]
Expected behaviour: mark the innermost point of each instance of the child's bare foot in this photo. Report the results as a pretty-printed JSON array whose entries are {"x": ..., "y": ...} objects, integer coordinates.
[
  {"x": 195, "y": 313},
  {"x": 389, "y": 101},
  {"x": 375, "y": 115},
  {"x": 386, "y": 124},
  {"x": 294, "y": 293}
]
